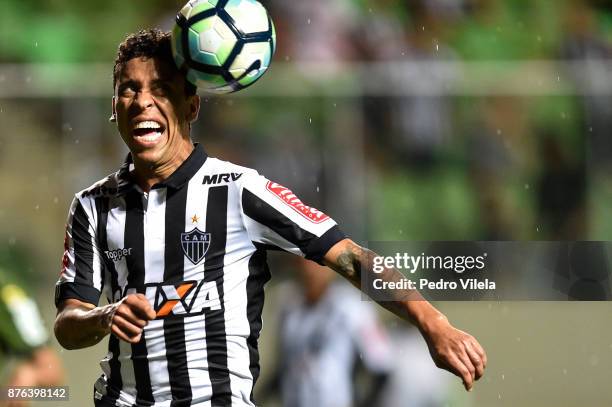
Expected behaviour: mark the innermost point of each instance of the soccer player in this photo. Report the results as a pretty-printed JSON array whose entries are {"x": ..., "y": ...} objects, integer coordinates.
[
  {"x": 177, "y": 242},
  {"x": 326, "y": 332}
]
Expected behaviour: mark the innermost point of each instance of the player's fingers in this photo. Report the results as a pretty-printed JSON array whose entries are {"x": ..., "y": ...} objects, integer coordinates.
[
  {"x": 136, "y": 299},
  {"x": 458, "y": 368},
  {"x": 121, "y": 335},
  {"x": 481, "y": 352},
  {"x": 475, "y": 359},
  {"x": 142, "y": 308},
  {"x": 151, "y": 314},
  {"x": 128, "y": 313},
  {"x": 145, "y": 311},
  {"x": 139, "y": 306},
  {"x": 126, "y": 326},
  {"x": 465, "y": 359},
  {"x": 479, "y": 349}
]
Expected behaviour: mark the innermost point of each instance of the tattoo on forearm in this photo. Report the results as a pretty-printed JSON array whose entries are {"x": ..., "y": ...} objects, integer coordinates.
[
  {"x": 356, "y": 264},
  {"x": 349, "y": 263}
]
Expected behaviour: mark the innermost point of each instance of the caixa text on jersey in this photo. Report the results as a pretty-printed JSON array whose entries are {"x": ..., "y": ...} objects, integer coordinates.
[{"x": 186, "y": 298}]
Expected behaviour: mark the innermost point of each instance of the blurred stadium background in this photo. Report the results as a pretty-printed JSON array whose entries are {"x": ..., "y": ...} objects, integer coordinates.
[{"x": 403, "y": 120}]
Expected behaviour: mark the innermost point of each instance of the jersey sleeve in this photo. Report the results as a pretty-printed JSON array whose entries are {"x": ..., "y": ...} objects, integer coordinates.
[
  {"x": 82, "y": 274},
  {"x": 275, "y": 216}
]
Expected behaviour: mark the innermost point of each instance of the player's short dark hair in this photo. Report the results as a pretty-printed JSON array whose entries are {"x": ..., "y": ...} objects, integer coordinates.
[{"x": 151, "y": 43}]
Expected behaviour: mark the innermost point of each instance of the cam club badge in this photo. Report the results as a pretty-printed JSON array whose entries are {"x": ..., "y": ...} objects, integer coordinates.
[{"x": 195, "y": 244}]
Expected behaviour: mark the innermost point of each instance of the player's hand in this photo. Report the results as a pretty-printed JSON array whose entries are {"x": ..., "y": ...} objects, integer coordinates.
[
  {"x": 129, "y": 317},
  {"x": 455, "y": 351}
]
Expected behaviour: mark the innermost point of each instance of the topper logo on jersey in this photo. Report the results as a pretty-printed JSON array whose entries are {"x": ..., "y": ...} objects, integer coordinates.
[
  {"x": 118, "y": 254},
  {"x": 195, "y": 244},
  {"x": 289, "y": 198}
]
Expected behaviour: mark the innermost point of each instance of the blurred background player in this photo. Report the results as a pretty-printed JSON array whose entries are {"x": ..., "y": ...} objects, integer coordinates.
[
  {"x": 328, "y": 335},
  {"x": 26, "y": 359}
]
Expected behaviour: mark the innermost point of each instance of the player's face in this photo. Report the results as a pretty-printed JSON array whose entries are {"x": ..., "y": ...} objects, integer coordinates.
[{"x": 153, "y": 112}]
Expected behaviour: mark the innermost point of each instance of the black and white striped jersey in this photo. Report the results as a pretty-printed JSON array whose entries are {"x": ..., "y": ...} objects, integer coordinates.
[{"x": 195, "y": 245}]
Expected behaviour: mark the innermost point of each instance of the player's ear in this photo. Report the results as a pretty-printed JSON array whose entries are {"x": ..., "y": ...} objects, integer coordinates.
[
  {"x": 194, "y": 108},
  {"x": 113, "y": 117}
]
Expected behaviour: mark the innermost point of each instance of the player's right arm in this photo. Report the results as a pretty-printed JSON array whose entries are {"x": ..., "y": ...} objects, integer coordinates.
[{"x": 79, "y": 324}]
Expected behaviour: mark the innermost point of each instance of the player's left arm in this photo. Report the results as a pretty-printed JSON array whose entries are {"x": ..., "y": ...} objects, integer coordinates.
[{"x": 450, "y": 348}]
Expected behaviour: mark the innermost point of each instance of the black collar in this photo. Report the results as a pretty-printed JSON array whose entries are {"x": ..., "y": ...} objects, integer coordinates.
[{"x": 176, "y": 180}]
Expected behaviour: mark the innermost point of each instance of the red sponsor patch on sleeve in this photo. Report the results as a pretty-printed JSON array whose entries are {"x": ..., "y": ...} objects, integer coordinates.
[{"x": 290, "y": 199}]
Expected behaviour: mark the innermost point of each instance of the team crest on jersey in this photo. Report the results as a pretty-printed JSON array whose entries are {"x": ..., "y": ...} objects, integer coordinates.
[
  {"x": 195, "y": 244},
  {"x": 290, "y": 199}
]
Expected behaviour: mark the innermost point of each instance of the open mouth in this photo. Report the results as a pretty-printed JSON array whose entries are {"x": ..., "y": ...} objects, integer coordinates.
[{"x": 147, "y": 131}]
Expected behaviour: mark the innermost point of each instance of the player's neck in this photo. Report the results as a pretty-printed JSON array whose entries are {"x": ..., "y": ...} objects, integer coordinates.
[
  {"x": 146, "y": 174},
  {"x": 147, "y": 181}
]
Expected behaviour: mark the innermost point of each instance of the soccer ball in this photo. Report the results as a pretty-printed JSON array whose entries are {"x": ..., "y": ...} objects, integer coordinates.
[{"x": 223, "y": 45}]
